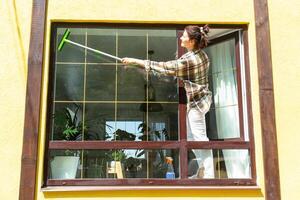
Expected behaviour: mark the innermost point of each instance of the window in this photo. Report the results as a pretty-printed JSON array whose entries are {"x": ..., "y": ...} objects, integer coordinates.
[{"x": 109, "y": 124}]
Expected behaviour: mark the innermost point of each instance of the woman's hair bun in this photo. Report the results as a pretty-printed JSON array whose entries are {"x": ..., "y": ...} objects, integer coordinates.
[{"x": 205, "y": 28}]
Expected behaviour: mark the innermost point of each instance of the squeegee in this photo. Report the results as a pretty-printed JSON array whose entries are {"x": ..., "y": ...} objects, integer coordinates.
[{"x": 65, "y": 39}]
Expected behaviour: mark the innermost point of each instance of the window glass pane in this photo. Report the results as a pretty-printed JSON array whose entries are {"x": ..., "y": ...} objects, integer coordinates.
[
  {"x": 163, "y": 124},
  {"x": 223, "y": 117},
  {"x": 223, "y": 123},
  {"x": 222, "y": 56},
  {"x": 104, "y": 40},
  {"x": 219, "y": 164},
  {"x": 224, "y": 88},
  {"x": 96, "y": 117},
  {"x": 132, "y": 121},
  {"x": 71, "y": 53},
  {"x": 69, "y": 82},
  {"x": 128, "y": 122},
  {"x": 162, "y": 88},
  {"x": 67, "y": 123},
  {"x": 162, "y": 44},
  {"x": 100, "y": 83},
  {"x": 129, "y": 163},
  {"x": 157, "y": 163},
  {"x": 124, "y": 130},
  {"x": 121, "y": 163},
  {"x": 95, "y": 163},
  {"x": 131, "y": 84},
  {"x": 132, "y": 43}
]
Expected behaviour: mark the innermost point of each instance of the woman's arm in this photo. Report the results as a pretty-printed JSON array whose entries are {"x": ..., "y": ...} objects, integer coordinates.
[
  {"x": 133, "y": 61},
  {"x": 167, "y": 68}
]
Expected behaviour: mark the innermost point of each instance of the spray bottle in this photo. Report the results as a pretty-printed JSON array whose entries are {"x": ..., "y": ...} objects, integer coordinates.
[{"x": 170, "y": 171}]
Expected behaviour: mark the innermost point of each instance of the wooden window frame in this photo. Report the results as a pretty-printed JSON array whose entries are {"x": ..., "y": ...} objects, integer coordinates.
[
  {"x": 267, "y": 107},
  {"x": 182, "y": 144}
]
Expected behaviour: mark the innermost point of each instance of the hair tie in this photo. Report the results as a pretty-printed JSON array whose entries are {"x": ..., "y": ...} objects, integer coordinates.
[
  {"x": 201, "y": 29},
  {"x": 202, "y": 32}
]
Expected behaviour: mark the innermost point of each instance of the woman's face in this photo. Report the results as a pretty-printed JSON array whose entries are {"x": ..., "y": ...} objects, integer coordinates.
[{"x": 186, "y": 42}]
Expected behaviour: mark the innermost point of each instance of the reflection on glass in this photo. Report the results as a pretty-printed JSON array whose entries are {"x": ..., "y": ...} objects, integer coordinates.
[
  {"x": 163, "y": 125},
  {"x": 119, "y": 163},
  {"x": 131, "y": 84},
  {"x": 132, "y": 123},
  {"x": 124, "y": 130},
  {"x": 227, "y": 163},
  {"x": 165, "y": 88},
  {"x": 69, "y": 82},
  {"x": 96, "y": 117},
  {"x": 100, "y": 83},
  {"x": 128, "y": 123},
  {"x": 103, "y": 39},
  {"x": 132, "y": 43},
  {"x": 69, "y": 52},
  {"x": 158, "y": 166},
  {"x": 96, "y": 163},
  {"x": 129, "y": 163},
  {"x": 162, "y": 44},
  {"x": 152, "y": 105},
  {"x": 67, "y": 121}
]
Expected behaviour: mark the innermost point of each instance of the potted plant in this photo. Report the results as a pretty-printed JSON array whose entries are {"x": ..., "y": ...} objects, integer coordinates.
[{"x": 70, "y": 128}]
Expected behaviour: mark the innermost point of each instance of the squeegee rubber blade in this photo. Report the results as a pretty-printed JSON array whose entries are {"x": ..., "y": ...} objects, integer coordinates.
[{"x": 63, "y": 40}]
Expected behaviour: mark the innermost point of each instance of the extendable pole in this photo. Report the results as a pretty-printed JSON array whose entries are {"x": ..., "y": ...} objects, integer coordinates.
[
  {"x": 94, "y": 50},
  {"x": 64, "y": 40}
]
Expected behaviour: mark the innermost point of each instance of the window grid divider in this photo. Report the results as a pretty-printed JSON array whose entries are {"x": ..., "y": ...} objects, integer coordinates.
[
  {"x": 147, "y": 107},
  {"x": 116, "y": 64},
  {"x": 83, "y": 105}
]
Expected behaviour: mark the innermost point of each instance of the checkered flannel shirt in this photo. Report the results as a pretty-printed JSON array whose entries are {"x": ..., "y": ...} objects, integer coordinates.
[{"x": 192, "y": 68}]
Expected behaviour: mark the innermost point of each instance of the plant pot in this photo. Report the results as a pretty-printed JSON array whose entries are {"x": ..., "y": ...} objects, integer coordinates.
[{"x": 64, "y": 167}]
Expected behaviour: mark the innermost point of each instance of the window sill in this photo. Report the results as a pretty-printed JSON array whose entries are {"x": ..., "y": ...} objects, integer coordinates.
[{"x": 252, "y": 189}]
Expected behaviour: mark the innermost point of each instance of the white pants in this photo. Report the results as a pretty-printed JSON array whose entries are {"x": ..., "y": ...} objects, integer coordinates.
[{"x": 196, "y": 131}]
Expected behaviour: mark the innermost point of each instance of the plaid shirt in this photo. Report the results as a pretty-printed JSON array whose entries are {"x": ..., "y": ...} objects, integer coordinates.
[{"x": 192, "y": 68}]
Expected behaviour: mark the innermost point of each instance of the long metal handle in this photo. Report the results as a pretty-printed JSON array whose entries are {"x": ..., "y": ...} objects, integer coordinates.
[{"x": 94, "y": 50}]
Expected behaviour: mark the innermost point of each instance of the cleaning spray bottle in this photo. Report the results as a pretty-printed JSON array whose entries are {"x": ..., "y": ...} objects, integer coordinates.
[{"x": 170, "y": 171}]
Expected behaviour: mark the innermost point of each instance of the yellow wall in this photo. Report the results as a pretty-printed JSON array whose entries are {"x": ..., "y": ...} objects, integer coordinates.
[
  {"x": 15, "y": 19},
  {"x": 169, "y": 12},
  {"x": 14, "y": 36},
  {"x": 284, "y": 24}
]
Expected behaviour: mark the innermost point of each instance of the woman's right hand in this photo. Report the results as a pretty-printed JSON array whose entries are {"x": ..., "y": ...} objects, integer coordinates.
[{"x": 128, "y": 61}]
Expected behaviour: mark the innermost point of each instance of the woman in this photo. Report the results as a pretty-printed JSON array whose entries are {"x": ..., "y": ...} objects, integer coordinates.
[{"x": 192, "y": 68}]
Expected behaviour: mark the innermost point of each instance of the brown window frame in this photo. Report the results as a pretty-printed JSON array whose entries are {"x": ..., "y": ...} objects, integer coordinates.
[{"x": 182, "y": 144}]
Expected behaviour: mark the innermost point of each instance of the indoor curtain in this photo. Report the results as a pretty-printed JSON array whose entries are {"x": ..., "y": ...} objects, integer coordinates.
[{"x": 224, "y": 88}]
